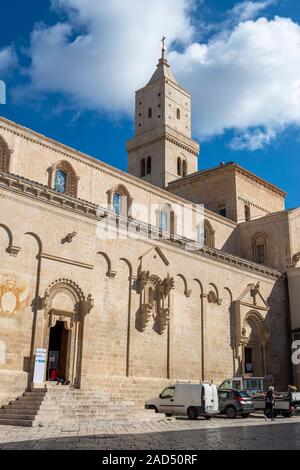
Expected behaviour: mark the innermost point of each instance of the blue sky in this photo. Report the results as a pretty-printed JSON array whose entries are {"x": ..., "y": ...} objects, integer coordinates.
[{"x": 71, "y": 68}]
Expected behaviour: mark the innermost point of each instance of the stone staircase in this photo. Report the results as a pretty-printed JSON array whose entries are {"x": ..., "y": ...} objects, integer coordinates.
[{"x": 60, "y": 405}]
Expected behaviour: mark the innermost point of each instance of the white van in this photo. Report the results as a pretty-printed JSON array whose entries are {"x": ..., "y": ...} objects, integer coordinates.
[{"x": 192, "y": 399}]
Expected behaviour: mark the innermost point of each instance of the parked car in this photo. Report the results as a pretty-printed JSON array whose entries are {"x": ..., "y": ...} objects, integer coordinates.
[
  {"x": 235, "y": 402},
  {"x": 191, "y": 399}
]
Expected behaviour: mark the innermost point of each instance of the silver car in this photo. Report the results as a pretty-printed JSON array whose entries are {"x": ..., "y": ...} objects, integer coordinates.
[{"x": 234, "y": 403}]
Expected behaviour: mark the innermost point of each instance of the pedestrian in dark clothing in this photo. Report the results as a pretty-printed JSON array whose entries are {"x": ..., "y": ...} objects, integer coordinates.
[{"x": 270, "y": 404}]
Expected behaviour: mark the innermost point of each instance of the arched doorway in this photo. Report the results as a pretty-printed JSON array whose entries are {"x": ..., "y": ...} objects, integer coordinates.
[
  {"x": 65, "y": 308},
  {"x": 254, "y": 340}
]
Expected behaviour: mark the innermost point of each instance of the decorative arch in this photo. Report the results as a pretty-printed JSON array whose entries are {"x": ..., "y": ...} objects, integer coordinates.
[
  {"x": 129, "y": 265},
  {"x": 213, "y": 295},
  {"x": 5, "y": 155},
  {"x": 255, "y": 318},
  {"x": 254, "y": 339},
  {"x": 110, "y": 272},
  {"x": 200, "y": 285},
  {"x": 71, "y": 184},
  {"x": 9, "y": 236},
  {"x": 187, "y": 291},
  {"x": 71, "y": 312},
  {"x": 125, "y": 196},
  {"x": 38, "y": 240}
]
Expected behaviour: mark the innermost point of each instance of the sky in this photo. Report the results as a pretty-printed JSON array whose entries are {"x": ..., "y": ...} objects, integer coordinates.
[{"x": 71, "y": 68}]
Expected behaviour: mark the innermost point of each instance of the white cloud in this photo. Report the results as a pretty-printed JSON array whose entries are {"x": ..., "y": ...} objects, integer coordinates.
[
  {"x": 255, "y": 139},
  {"x": 106, "y": 50},
  {"x": 7, "y": 59},
  {"x": 246, "y": 79},
  {"x": 249, "y": 10}
]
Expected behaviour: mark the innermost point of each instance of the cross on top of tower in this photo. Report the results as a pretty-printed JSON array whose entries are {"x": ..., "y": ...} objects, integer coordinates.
[{"x": 163, "y": 47}]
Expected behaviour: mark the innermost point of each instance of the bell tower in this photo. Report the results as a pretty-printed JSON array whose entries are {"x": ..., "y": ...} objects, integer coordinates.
[{"x": 162, "y": 149}]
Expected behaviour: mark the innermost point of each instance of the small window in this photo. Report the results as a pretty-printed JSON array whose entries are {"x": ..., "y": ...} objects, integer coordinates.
[
  {"x": 184, "y": 168},
  {"x": 143, "y": 172},
  {"x": 178, "y": 113},
  {"x": 60, "y": 184},
  {"x": 149, "y": 113},
  {"x": 223, "y": 211},
  {"x": 149, "y": 165},
  {"x": 259, "y": 248},
  {"x": 247, "y": 213},
  {"x": 179, "y": 167},
  {"x": 117, "y": 203}
]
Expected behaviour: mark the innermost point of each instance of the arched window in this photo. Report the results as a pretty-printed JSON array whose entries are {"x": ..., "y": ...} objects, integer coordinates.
[
  {"x": 208, "y": 238},
  {"x": 184, "y": 168},
  {"x": 260, "y": 248},
  {"x": 178, "y": 113},
  {"x": 149, "y": 165},
  {"x": 143, "y": 168},
  {"x": 247, "y": 213},
  {"x": 179, "y": 167},
  {"x": 149, "y": 113},
  {"x": 166, "y": 220},
  {"x": 4, "y": 155},
  {"x": 60, "y": 184},
  {"x": 63, "y": 178},
  {"x": 119, "y": 200}
]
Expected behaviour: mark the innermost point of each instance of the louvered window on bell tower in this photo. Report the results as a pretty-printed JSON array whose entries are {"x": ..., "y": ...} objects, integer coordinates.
[
  {"x": 178, "y": 113},
  {"x": 149, "y": 113},
  {"x": 179, "y": 167},
  {"x": 143, "y": 168},
  {"x": 149, "y": 165}
]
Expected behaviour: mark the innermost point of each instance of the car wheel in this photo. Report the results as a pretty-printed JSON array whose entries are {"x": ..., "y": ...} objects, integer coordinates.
[
  {"x": 231, "y": 412},
  {"x": 168, "y": 415},
  {"x": 153, "y": 408},
  {"x": 192, "y": 413},
  {"x": 245, "y": 415}
]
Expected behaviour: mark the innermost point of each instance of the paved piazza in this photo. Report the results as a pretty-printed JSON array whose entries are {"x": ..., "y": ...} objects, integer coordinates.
[{"x": 180, "y": 434}]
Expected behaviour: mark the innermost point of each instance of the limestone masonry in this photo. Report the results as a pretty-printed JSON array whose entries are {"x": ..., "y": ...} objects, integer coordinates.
[{"x": 125, "y": 316}]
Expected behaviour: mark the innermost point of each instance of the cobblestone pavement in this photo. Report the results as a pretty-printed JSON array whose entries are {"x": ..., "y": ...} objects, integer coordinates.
[{"x": 161, "y": 434}]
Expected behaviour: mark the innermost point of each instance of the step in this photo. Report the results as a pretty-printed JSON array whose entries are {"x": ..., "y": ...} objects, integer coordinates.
[
  {"x": 20, "y": 405},
  {"x": 26, "y": 416},
  {"x": 15, "y": 422},
  {"x": 18, "y": 411}
]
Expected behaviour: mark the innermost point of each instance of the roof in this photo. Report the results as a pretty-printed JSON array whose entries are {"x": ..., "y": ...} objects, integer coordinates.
[
  {"x": 162, "y": 71},
  {"x": 229, "y": 166}
]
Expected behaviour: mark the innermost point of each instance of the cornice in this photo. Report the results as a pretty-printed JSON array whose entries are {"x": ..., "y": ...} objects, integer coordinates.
[
  {"x": 40, "y": 193},
  {"x": 67, "y": 152},
  {"x": 132, "y": 146}
]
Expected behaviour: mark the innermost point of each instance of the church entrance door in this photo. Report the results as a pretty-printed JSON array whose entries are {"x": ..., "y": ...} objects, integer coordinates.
[{"x": 58, "y": 350}]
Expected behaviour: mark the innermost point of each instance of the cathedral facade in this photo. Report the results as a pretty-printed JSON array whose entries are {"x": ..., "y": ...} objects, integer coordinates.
[{"x": 116, "y": 294}]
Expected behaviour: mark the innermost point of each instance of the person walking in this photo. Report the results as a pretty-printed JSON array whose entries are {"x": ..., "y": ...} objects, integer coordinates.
[{"x": 270, "y": 404}]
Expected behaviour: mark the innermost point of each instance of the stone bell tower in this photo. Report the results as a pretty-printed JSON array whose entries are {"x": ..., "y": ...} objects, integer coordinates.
[{"x": 162, "y": 149}]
